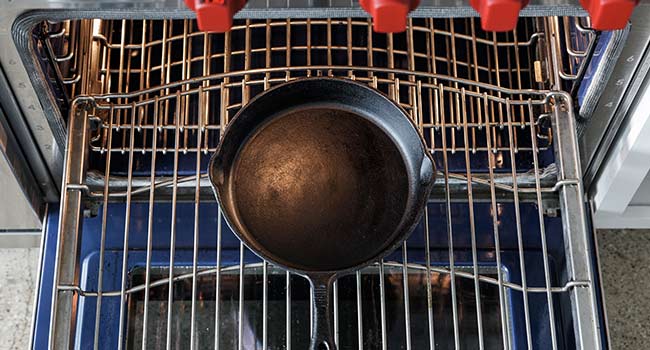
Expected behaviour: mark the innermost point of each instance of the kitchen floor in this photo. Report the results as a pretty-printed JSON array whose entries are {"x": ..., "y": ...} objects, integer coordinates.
[
  {"x": 625, "y": 267},
  {"x": 625, "y": 260},
  {"x": 18, "y": 271}
]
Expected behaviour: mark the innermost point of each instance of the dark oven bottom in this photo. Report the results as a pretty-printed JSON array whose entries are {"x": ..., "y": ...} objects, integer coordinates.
[{"x": 283, "y": 322}]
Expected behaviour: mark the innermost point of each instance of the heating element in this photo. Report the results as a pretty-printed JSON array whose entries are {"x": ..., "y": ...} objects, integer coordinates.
[{"x": 145, "y": 260}]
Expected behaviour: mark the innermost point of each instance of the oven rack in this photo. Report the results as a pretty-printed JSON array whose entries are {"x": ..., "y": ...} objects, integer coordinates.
[
  {"x": 119, "y": 56},
  {"x": 526, "y": 135},
  {"x": 494, "y": 108},
  {"x": 148, "y": 100}
]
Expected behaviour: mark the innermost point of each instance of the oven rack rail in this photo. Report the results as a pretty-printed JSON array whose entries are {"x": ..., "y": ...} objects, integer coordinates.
[
  {"x": 140, "y": 187},
  {"x": 457, "y": 271}
]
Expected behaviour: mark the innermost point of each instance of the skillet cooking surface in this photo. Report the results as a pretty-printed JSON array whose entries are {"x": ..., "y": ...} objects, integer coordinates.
[{"x": 320, "y": 188}]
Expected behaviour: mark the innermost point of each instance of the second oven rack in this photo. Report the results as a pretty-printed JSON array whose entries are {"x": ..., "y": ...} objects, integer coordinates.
[{"x": 93, "y": 56}]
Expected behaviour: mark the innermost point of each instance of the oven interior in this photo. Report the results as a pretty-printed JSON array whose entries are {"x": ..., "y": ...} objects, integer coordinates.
[{"x": 154, "y": 265}]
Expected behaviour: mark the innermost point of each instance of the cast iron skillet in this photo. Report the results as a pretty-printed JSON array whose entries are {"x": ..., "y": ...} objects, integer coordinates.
[{"x": 322, "y": 176}]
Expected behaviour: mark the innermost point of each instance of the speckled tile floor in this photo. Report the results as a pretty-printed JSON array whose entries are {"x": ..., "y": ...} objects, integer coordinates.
[
  {"x": 625, "y": 265},
  {"x": 17, "y": 280}
]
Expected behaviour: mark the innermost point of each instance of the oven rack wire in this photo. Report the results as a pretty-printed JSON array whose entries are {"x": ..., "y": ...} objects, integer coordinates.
[
  {"x": 128, "y": 55},
  {"x": 496, "y": 145},
  {"x": 566, "y": 186}
]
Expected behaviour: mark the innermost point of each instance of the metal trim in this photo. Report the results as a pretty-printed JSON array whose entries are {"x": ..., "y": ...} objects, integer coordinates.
[
  {"x": 24, "y": 138},
  {"x": 586, "y": 327},
  {"x": 37, "y": 287},
  {"x": 618, "y": 95},
  {"x": 596, "y": 257},
  {"x": 11, "y": 151},
  {"x": 64, "y": 302}
]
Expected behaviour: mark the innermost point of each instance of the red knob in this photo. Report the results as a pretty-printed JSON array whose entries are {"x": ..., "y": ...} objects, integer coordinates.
[
  {"x": 190, "y": 4},
  {"x": 609, "y": 14},
  {"x": 215, "y": 15},
  {"x": 389, "y": 16},
  {"x": 498, "y": 15}
]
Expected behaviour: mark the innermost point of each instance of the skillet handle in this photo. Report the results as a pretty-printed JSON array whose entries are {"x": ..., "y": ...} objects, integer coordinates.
[{"x": 321, "y": 338}]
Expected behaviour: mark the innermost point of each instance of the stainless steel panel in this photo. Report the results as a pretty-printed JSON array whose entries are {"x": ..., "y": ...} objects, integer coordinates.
[
  {"x": 30, "y": 238},
  {"x": 21, "y": 204},
  {"x": 599, "y": 131},
  {"x": 12, "y": 117}
]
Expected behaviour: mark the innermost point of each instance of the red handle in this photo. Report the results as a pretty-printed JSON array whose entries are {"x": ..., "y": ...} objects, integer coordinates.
[
  {"x": 389, "y": 16},
  {"x": 609, "y": 14},
  {"x": 215, "y": 15},
  {"x": 498, "y": 15}
]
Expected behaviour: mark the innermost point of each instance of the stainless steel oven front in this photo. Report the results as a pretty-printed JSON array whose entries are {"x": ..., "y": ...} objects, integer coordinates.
[{"x": 125, "y": 102}]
